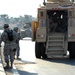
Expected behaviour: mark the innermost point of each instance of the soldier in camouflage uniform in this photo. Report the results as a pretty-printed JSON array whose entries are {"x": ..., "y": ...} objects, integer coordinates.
[
  {"x": 17, "y": 42},
  {"x": 9, "y": 46}
]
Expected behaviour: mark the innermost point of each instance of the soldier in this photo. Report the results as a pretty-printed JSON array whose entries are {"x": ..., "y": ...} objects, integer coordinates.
[
  {"x": 9, "y": 46},
  {"x": 17, "y": 42}
]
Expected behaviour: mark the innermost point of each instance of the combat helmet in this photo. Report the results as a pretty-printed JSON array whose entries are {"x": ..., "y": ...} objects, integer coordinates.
[
  {"x": 15, "y": 28},
  {"x": 6, "y": 26}
]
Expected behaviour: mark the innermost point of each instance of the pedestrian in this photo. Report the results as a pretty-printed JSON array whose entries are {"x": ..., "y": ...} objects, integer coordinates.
[
  {"x": 17, "y": 42},
  {"x": 9, "y": 46}
]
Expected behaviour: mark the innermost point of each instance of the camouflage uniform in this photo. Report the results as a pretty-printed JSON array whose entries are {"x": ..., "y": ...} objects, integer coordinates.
[
  {"x": 18, "y": 47},
  {"x": 17, "y": 42},
  {"x": 9, "y": 46}
]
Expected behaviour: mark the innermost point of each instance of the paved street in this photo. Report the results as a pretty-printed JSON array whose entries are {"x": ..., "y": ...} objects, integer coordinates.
[
  {"x": 32, "y": 66},
  {"x": 29, "y": 65}
]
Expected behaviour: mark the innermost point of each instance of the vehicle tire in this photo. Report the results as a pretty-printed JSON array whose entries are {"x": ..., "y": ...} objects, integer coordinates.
[
  {"x": 38, "y": 50},
  {"x": 43, "y": 50},
  {"x": 71, "y": 50}
]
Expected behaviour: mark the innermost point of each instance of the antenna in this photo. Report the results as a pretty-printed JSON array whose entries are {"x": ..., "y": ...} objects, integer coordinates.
[{"x": 44, "y": 3}]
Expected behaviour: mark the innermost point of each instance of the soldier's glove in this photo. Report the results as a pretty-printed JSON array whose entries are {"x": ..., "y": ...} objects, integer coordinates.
[{"x": 14, "y": 50}]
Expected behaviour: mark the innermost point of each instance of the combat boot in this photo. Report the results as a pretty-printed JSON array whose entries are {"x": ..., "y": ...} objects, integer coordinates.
[
  {"x": 7, "y": 65},
  {"x": 18, "y": 58},
  {"x": 11, "y": 65}
]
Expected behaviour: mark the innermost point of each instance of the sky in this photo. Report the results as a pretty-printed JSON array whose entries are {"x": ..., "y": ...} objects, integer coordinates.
[{"x": 16, "y": 8}]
